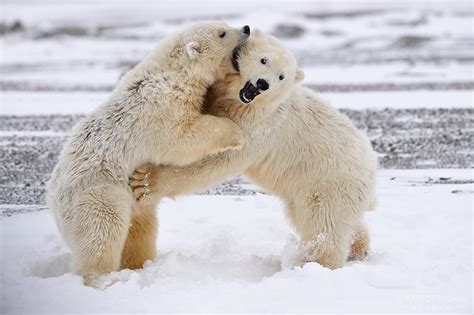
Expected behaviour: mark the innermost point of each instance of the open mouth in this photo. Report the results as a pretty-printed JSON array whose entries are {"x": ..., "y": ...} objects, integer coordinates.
[
  {"x": 235, "y": 58},
  {"x": 248, "y": 92},
  {"x": 244, "y": 36}
]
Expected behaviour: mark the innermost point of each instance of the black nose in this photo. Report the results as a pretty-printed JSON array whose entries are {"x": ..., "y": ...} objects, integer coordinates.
[
  {"x": 262, "y": 84},
  {"x": 246, "y": 29}
]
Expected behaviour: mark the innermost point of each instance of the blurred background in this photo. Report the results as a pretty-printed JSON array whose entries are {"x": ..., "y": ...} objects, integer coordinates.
[{"x": 402, "y": 71}]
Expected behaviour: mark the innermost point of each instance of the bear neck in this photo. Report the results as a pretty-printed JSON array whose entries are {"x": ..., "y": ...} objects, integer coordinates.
[
  {"x": 200, "y": 78},
  {"x": 267, "y": 106},
  {"x": 194, "y": 83},
  {"x": 249, "y": 116}
]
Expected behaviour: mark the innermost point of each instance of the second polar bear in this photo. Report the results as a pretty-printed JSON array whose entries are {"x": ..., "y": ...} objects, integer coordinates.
[
  {"x": 297, "y": 147},
  {"x": 154, "y": 114}
]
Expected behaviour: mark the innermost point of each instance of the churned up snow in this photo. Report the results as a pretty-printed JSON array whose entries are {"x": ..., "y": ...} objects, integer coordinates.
[{"x": 237, "y": 254}]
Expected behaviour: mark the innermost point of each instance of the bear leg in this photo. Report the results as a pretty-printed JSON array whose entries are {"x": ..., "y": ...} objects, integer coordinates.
[
  {"x": 360, "y": 242},
  {"x": 97, "y": 229},
  {"x": 326, "y": 227},
  {"x": 140, "y": 245},
  {"x": 330, "y": 248}
]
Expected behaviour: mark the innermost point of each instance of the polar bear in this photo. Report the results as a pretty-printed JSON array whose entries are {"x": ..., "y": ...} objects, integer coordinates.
[
  {"x": 154, "y": 114},
  {"x": 297, "y": 147}
]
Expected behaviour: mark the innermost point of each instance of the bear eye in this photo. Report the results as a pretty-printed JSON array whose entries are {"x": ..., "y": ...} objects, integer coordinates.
[
  {"x": 222, "y": 35},
  {"x": 263, "y": 61},
  {"x": 281, "y": 77}
]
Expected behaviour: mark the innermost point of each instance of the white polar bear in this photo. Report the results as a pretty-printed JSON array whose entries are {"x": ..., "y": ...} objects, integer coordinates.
[
  {"x": 297, "y": 147},
  {"x": 154, "y": 114}
]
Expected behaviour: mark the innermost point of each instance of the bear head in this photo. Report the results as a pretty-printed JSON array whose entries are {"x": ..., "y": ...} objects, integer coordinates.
[
  {"x": 268, "y": 70},
  {"x": 202, "y": 50}
]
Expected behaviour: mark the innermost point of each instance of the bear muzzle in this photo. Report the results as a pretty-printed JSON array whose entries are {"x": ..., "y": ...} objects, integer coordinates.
[{"x": 248, "y": 92}]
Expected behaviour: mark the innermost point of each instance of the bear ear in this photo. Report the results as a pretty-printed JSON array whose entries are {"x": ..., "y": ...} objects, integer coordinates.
[
  {"x": 299, "y": 76},
  {"x": 193, "y": 49}
]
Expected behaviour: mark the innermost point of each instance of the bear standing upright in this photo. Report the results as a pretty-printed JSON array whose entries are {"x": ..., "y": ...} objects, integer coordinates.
[
  {"x": 154, "y": 114},
  {"x": 297, "y": 147}
]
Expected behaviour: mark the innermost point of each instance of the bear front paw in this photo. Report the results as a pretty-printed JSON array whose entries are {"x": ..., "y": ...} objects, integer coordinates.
[
  {"x": 142, "y": 182},
  {"x": 151, "y": 182}
]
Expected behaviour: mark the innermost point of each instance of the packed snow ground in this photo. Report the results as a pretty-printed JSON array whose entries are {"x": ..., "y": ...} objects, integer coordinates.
[{"x": 237, "y": 254}]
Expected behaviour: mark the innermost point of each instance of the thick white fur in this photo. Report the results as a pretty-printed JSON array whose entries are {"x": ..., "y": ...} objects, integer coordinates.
[
  {"x": 154, "y": 114},
  {"x": 297, "y": 147}
]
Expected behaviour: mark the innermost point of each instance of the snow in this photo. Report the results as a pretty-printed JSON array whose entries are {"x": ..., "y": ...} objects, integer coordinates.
[
  {"x": 400, "y": 99},
  {"x": 395, "y": 72},
  {"x": 20, "y": 103},
  {"x": 237, "y": 254}
]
